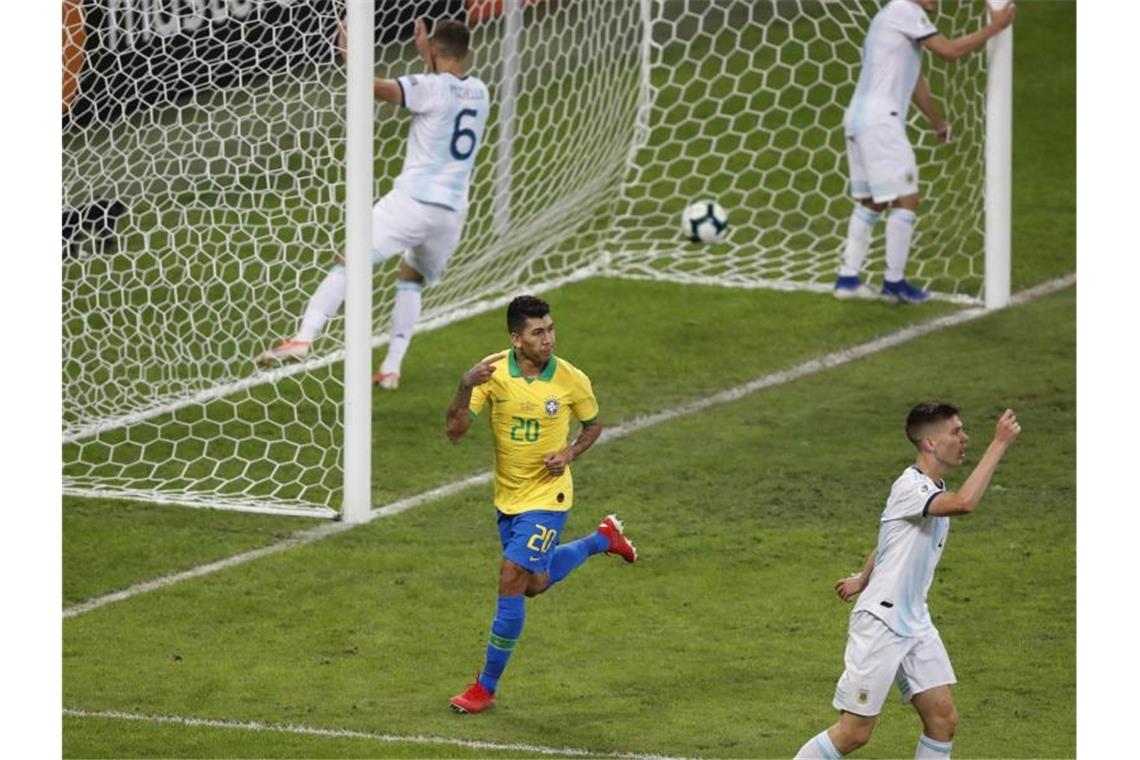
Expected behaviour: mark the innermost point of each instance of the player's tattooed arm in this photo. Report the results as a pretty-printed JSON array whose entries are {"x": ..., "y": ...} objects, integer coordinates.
[{"x": 458, "y": 418}]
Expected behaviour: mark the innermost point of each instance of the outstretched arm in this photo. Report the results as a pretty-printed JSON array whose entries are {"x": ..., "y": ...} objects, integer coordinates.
[
  {"x": 966, "y": 499},
  {"x": 925, "y": 102},
  {"x": 458, "y": 418},
  {"x": 847, "y": 588},
  {"x": 953, "y": 49}
]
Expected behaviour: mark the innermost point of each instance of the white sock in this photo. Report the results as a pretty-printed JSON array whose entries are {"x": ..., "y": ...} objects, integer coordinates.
[
  {"x": 405, "y": 315},
  {"x": 323, "y": 305},
  {"x": 819, "y": 746},
  {"x": 929, "y": 748},
  {"x": 859, "y": 231},
  {"x": 900, "y": 225}
]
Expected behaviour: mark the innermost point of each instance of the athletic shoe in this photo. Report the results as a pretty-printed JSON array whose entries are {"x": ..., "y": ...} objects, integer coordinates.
[
  {"x": 389, "y": 381},
  {"x": 611, "y": 528},
  {"x": 285, "y": 351},
  {"x": 851, "y": 287},
  {"x": 474, "y": 699},
  {"x": 903, "y": 292}
]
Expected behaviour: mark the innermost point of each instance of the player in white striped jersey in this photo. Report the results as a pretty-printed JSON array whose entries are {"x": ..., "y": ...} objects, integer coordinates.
[
  {"x": 423, "y": 215},
  {"x": 891, "y": 637},
  {"x": 879, "y": 156}
]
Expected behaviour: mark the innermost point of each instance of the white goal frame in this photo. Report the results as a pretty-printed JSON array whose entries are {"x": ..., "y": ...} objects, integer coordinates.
[{"x": 360, "y": 336}]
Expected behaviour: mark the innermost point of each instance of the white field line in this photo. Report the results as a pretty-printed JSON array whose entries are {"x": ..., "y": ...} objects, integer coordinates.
[
  {"x": 297, "y": 539},
  {"x": 259, "y": 727},
  {"x": 245, "y": 504},
  {"x": 810, "y": 367},
  {"x": 787, "y": 286}
]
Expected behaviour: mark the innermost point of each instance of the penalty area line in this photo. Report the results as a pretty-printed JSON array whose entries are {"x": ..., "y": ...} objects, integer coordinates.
[
  {"x": 780, "y": 377},
  {"x": 348, "y": 733}
]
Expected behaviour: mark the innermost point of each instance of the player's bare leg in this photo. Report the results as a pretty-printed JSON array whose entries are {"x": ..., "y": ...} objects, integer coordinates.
[
  {"x": 851, "y": 732},
  {"x": 939, "y": 721},
  {"x": 847, "y": 735}
]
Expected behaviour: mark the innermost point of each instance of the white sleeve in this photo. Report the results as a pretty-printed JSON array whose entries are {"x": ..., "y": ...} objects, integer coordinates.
[
  {"x": 913, "y": 23},
  {"x": 417, "y": 92},
  {"x": 910, "y": 498}
]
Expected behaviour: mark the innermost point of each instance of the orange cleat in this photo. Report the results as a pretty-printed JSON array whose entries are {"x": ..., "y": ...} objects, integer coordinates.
[
  {"x": 285, "y": 351},
  {"x": 389, "y": 381}
]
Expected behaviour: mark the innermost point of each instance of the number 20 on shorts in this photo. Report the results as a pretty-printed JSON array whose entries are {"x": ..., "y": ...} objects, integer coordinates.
[{"x": 542, "y": 539}]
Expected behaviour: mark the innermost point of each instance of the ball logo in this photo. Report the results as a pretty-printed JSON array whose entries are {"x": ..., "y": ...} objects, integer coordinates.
[{"x": 551, "y": 407}]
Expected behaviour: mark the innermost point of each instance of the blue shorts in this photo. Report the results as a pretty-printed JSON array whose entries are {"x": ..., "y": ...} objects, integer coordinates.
[{"x": 529, "y": 538}]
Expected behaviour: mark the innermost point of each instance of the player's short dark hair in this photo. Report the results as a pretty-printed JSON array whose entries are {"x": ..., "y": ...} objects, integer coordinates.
[
  {"x": 924, "y": 414},
  {"x": 451, "y": 38},
  {"x": 522, "y": 308}
]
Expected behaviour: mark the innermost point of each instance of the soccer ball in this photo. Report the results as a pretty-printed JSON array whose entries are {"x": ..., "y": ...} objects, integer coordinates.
[{"x": 704, "y": 222}]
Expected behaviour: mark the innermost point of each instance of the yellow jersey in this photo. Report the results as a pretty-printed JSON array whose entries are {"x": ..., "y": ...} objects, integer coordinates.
[{"x": 530, "y": 418}]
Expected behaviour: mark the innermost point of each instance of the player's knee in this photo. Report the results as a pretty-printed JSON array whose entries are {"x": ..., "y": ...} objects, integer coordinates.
[
  {"x": 851, "y": 737},
  {"x": 876, "y": 207},
  {"x": 409, "y": 274},
  {"x": 537, "y": 584},
  {"x": 941, "y": 722},
  {"x": 909, "y": 202},
  {"x": 946, "y": 721}
]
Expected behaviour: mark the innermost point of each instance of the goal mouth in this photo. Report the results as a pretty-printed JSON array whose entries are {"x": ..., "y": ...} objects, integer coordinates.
[{"x": 203, "y": 167}]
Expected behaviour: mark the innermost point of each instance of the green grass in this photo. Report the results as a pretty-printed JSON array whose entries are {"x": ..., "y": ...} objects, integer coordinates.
[
  {"x": 725, "y": 641},
  {"x": 119, "y": 737},
  {"x": 415, "y": 454},
  {"x": 745, "y": 514}
]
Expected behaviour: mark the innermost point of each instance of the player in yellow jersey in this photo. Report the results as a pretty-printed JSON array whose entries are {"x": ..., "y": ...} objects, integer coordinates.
[{"x": 530, "y": 396}]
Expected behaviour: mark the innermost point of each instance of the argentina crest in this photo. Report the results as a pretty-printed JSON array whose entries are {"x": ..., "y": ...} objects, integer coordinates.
[{"x": 551, "y": 407}]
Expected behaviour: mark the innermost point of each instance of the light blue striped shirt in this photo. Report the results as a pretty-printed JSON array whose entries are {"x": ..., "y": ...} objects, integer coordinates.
[
  {"x": 891, "y": 62},
  {"x": 449, "y": 114},
  {"x": 910, "y": 545}
]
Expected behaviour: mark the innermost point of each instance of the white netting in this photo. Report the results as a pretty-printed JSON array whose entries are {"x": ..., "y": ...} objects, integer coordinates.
[
  {"x": 203, "y": 176},
  {"x": 746, "y": 108}
]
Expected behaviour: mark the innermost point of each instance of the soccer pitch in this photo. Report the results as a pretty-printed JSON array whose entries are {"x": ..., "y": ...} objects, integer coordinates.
[{"x": 725, "y": 640}]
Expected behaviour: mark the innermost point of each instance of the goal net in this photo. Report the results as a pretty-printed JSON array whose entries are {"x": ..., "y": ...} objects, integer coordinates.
[{"x": 203, "y": 176}]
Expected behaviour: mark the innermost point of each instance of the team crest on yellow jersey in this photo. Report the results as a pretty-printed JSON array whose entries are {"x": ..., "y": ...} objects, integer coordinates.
[{"x": 551, "y": 407}]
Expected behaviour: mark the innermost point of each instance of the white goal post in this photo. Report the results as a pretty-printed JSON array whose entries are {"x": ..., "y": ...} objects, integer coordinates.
[{"x": 211, "y": 176}]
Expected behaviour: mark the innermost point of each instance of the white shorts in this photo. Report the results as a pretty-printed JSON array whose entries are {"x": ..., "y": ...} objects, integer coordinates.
[
  {"x": 427, "y": 234},
  {"x": 881, "y": 163},
  {"x": 876, "y": 656}
]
